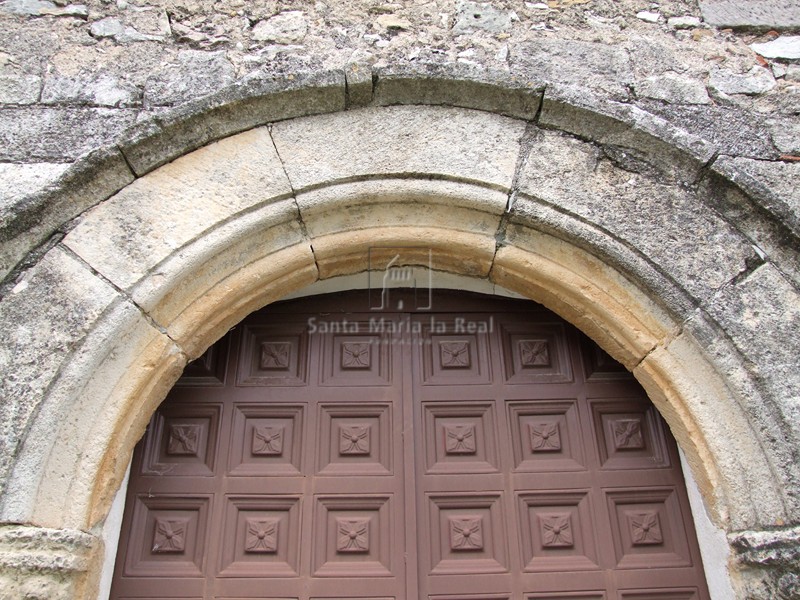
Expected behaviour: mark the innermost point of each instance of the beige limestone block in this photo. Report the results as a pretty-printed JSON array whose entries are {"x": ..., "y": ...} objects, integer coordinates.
[
  {"x": 401, "y": 203},
  {"x": 46, "y": 318},
  {"x": 124, "y": 360},
  {"x": 732, "y": 472},
  {"x": 444, "y": 142},
  {"x": 585, "y": 291},
  {"x": 443, "y": 249},
  {"x": 188, "y": 275},
  {"x": 127, "y": 236},
  {"x": 246, "y": 289}
]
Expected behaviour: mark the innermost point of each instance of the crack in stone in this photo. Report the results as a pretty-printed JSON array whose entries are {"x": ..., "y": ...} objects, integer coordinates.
[{"x": 300, "y": 220}]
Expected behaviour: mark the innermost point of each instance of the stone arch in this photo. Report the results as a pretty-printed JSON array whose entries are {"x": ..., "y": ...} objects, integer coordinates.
[{"x": 197, "y": 219}]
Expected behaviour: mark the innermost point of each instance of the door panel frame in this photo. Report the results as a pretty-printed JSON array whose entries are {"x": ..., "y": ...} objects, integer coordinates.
[{"x": 712, "y": 541}]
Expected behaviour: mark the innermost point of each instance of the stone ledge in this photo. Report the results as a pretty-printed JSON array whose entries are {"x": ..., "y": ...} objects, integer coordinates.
[
  {"x": 260, "y": 100},
  {"x": 247, "y": 103},
  {"x": 458, "y": 85},
  {"x": 673, "y": 151},
  {"x": 767, "y": 183},
  {"x": 777, "y": 546},
  {"x": 36, "y": 217},
  {"x": 769, "y": 562}
]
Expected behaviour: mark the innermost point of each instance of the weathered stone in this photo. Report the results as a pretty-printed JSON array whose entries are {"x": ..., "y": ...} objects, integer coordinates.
[
  {"x": 764, "y": 14},
  {"x": 17, "y": 181},
  {"x": 271, "y": 244},
  {"x": 288, "y": 27},
  {"x": 97, "y": 390},
  {"x": 33, "y": 217},
  {"x": 194, "y": 193},
  {"x": 393, "y": 22},
  {"x": 758, "y": 308},
  {"x": 756, "y": 81},
  {"x": 734, "y": 131},
  {"x": 649, "y": 17},
  {"x": 481, "y": 15},
  {"x": 771, "y": 561},
  {"x": 36, "y": 562},
  {"x": 99, "y": 88},
  {"x": 674, "y": 89},
  {"x": 785, "y": 134},
  {"x": 57, "y": 134},
  {"x": 665, "y": 223},
  {"x": 698, "y": 379},
  {"x": 194, "y": 73},
  {"x": 18, "y": 87},
  {"x": 586, "y": 64},
  {"x": 687, "y": 22},
  {"x": 786, "y": 46},
  {"x": 775, "y": 240},
  {"x": 359, "y": 84},
  {"x": 442, "y": 141},
  {"x": 37, "y": 8},
  {"x": 71, "y": 300},
  {"x": 771, "y": 184},
  {"x": 111, "y": 27},
  {"x": 645, "y": 137},
  {"x": 248, "y": 103},
  {"x": 581, "y": 288},
  {"x": 458, "y": 86}
]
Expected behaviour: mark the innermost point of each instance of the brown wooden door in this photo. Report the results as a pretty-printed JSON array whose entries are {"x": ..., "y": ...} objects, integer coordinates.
[{"x": 485, "y": 450}]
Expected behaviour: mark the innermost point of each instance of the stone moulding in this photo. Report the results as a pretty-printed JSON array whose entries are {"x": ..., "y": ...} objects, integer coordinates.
[
  {"x": 193, "y": 220},
  {"x": 257, "y": 101}
]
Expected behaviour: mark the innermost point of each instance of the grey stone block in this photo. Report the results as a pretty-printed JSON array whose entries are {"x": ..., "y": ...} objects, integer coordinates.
[
  {"x": 246, "y": 104},
  {"x": 734, "y": 131},
  {"x": 761, "y": 15},
  {"x": 33, "y": 218},
  {"x": 40, "y": 8},
  {"x": 192, "y": 74},
  {"x": 601, "y": 67},
  {"x": 673, "y": 89},
  {"x": 471, "y": 16},
  {"x": 36, "y": 344},
  {"x": 458, "y": 85},
  {"x": 785, "y": 133},
  {"x": 100, "y": 88},
  {"x": 288, "y": 27},
  {"x": 629, "y": 129},
  {"x": 773, "y": 185},
  {"x": 591, "y": 237},
  {"x": 18, "y": 87},
  {"x": 756, "y": 81},
  {"x": 19, "y": 180},
  {"x": 359, "y": 84},
  {"x": 667, "y": 224},
  {"x": 785, "y": 47},
  {"x": 772, "y": 237},
  {"x": 57, "y": 134},
  {"x": 758, "y": 313}
]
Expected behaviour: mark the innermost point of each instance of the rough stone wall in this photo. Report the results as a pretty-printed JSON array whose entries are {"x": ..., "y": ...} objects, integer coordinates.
[{"x": 74, "y": 76}]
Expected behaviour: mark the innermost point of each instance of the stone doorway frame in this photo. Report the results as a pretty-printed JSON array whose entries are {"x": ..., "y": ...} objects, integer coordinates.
[{"x": 124, "y": 324}]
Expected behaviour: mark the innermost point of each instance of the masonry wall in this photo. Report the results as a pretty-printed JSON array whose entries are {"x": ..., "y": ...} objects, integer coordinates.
[{"x": 700, "y": 98}]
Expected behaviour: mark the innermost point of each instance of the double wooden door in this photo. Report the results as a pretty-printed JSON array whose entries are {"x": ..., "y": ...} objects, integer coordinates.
[{"x": 483, "y": 450}]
